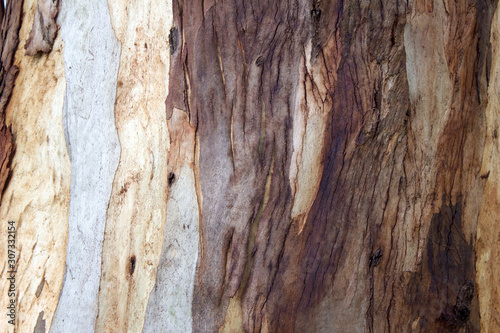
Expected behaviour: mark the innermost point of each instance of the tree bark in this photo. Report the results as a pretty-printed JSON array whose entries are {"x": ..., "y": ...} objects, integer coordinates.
[{"x": 251, "y": 166}]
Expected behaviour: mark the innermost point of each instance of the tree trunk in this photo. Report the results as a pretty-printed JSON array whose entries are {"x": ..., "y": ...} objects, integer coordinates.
[{"x": 250, "y": 166}]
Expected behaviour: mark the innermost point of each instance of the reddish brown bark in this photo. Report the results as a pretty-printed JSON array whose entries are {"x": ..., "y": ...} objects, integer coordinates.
[{"x": 231, "y": 61}]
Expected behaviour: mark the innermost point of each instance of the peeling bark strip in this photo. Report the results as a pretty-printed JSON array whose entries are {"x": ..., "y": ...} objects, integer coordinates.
[
  {"x": 11, "y": 23},
  {"x": 372, "y": 115},
  {"x": 44, "y": 30},
  {"x": 6, "y": 150}
]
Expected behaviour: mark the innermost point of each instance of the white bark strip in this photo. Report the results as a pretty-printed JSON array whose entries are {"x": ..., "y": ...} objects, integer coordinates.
[
  {"x": 169, "y": 307},
  {"x": 91, "y": 58}
]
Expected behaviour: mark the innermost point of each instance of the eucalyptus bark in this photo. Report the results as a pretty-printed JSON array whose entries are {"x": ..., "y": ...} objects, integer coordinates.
[
  {"x": 252, "y": 166},
  {"x": 393, "y": 95}
]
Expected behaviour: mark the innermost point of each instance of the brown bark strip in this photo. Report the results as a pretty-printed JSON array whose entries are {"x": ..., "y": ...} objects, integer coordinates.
[
  {"x": 44, "y": 30},
  {"x": 396, "y": 208},
  {"x": 11, "y": 23}
]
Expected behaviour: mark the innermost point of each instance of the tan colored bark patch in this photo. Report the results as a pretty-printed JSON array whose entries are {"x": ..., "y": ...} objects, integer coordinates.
[
  {"x": 137, "y": 208},
  {"x": 310, "y": 120},
  {"x": 37, "y": 197},
  {"x": 488, "y": 233}
]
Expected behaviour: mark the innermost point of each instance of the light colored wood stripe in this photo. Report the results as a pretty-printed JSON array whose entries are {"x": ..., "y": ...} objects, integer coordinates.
[
  {"x": 137, "y": 209},
  {"x": 37, "y": 197},
  {"x": 91, "y": 57}
]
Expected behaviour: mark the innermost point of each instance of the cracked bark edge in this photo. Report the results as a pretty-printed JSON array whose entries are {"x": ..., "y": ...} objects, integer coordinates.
[{"x": 44, "y": 30}]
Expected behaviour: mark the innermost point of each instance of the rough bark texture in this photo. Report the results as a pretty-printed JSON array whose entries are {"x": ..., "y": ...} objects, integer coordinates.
[
  {"x": 36, "y": 198},
  {"x": 11, "y": 22},
  {"x": 368, "y": 118},
  {"x": 43, "y": 33},
  {"x": 252, "y": 166}
]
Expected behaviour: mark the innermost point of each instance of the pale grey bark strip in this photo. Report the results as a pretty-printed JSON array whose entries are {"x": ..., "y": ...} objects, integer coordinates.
[
  {"x": 91, "y": 55},
  {"x": 169, "y": 307}
]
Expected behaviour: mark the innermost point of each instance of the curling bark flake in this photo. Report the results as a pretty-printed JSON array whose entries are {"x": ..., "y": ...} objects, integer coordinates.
[{"x": 44, "y": 31}]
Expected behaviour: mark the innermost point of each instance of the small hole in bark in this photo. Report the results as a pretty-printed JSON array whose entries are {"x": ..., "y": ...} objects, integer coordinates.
[
  {"x": 131, "y": 266},
  {"x": 462, "y": 313},
  {"x": 495, "y": 134},
  {"x": 173, "y": 39},
  {"x": 259, "y": 61},
  {"x": 316, "y": 14},
  {"x": 375, "y": 258},
  {"x": 171, "y": 178}
]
